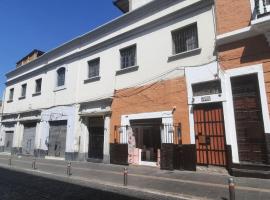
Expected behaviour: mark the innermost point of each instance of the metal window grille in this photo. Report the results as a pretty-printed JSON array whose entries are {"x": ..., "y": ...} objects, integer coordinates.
[
  {"x": 185, "y": 39},
  {"x": 128, "y": 57},
  {"x": 38, "y": 85},
  {"x": 93, "y": 68},
  {"x": 11, "y": 94},
  {"x": 61, "y": 73},
  {"x": 23, "y": 94}
]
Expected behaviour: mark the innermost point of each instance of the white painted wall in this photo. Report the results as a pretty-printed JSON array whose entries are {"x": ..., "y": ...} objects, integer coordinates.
[{"x": 134, "y": 4}]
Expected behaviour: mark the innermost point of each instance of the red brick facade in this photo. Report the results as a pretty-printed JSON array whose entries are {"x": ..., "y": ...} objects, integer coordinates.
[
  {"x": 155, "y": 97},
  {"x": 232, "y": 15}
]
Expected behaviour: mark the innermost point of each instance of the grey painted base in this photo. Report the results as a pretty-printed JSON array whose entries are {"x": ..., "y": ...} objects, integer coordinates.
[
  {"x": 2, "y": 148},
  {"x": 71, "y": 156},
  {"x": 40, "y": 153},
  {"x": 82, "y": 156},
  {"x": 267, "y": 136},
  {"x": 16, "y": 150},
  {"x": 106, "y": 159}
]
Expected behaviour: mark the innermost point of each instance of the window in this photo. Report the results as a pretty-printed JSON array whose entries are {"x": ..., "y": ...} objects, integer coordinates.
[
  {"x": 185, "y": 39},
  {"x": 207, "y": 88},
  {"x": 93, "y": 68},
  {"x": 128, "y": 57},
  {"x": 38, "y": 85},
  {"x": 61, "y": 74},
  {"x": 11, "y": 94},
  {"x": 23, "y": 91}
]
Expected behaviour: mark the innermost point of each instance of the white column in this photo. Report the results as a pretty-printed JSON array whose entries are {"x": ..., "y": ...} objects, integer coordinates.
[{"x": 106, "y": 146}]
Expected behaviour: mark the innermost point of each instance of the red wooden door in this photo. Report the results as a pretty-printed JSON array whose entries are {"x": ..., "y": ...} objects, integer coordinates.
[{"x": 210, "y": 134}]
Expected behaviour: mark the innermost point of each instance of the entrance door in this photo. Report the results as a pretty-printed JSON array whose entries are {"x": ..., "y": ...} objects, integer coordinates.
[
  {"x": 248, "y": 119},
  {"x": 28, "y": 143},
  {"x": 57, "y": 139},
  {"x": 8, "y": 141},
  {"x": 147, "y": 138},
  {"x": 96, "y": 138},
  {"x": 210, "y": 134}
]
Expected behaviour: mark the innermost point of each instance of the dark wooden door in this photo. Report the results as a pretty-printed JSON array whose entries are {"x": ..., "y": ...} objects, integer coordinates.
[
  {"x": 96, "y": 140},
  {"x": 9, "y": 141},
  {"x": 248, "y": 119},
  {"x": 210, "y": 134}
]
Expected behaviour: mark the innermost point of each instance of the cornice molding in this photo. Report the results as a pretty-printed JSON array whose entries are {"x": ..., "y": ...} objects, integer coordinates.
[{"x": 163, "y": 21}]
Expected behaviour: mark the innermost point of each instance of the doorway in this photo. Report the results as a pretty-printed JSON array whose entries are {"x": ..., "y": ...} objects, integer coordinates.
[
  {"x": 147, "y": 133},
  {"x": 248, "y": 119},
  {"x": 9, "y": 141},
  {"x": 28, "y": 143},
  {"x": 210, "y": 134},
  {"x": 96, "y": 138},
  {"x": 57, "y": 139}
]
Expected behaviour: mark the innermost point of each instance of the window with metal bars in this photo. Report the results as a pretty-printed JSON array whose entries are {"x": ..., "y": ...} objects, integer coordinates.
[
  {"x": 23, "y": 91},
  {"x": 38, "y": 85},
  {"x": 128, "y": 57},
  {"x": 11, "y": 94},
  {"x": 93, "y": 68},
  {"x": 185, "y": 39},
  {"x": 61, "y": 74}
]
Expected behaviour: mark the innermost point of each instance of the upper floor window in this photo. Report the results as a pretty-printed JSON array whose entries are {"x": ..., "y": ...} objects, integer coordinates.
[
  {"x": 185, "y": 39},
  {"x": 38, "y": 85},
  {"x": 93, "y": 68},
  {"x": 61, "y": 75},
  {"x": 11, "y": 94},
  {"x": 23, "y": 90},
  {"x": 128, "y": 57}
]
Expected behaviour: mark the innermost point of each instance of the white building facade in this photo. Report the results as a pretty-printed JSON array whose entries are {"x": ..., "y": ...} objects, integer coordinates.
[{"x": 59, "y": 105}]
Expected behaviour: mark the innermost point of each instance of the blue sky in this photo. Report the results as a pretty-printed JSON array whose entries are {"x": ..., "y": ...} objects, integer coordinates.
[{"x": 45, "y": 24}]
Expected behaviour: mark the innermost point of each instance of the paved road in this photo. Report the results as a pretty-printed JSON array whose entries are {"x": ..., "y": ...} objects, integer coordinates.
[
  {"x": 145, "y": 181},
  {"x": 21, "y": 186}
]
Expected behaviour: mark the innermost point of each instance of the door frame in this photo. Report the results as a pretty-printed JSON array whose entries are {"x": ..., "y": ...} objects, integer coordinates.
[{"x": 229, "y": 116}]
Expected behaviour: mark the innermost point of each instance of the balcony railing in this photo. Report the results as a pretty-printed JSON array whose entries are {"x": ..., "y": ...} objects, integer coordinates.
[{"x": 262, "y": 8}]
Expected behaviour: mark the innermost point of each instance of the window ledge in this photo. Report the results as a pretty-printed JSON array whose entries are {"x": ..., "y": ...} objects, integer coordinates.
[
  {"x": 9, "y": 101},
  {"x": 60, "y": 88},
  {"x": 127, "y": 70},
  {"x": 20, "y": 98},
  {"x": 92, "y": 79},
  {"x": 36, "y": 94},
  {"x": 184, "y": 54}
]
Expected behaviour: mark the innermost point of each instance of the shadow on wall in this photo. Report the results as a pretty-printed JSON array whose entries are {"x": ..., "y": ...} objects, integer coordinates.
[
  {"x": 21, "y": 186},
  {"x": 245, "y": 51}
]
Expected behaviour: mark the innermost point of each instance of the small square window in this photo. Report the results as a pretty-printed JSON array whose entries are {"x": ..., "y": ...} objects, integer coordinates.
[
  {"x": 185, "y": 39},
  {"x": 38, "y": 85},
  {"x": 23, "y": 91},
  {"x": 93, "y": 68},
  {"x": 128, "y": 57},
  {"x": 11, "y": 94}
]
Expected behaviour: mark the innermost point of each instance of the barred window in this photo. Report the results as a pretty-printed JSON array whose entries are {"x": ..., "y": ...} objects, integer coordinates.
[
  {"x": 61, "y": 74},
  {"x": 11, "y": 94},
  {"x": 128, "y": 57},
  {"x": 23, "y": 91},
  {"x": 93, "y": 68},
  {"x": 38, "y": 85},
  {"x": 185, "y": 39}
]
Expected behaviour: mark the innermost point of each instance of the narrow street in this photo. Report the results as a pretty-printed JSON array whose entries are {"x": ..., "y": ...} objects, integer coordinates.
[{"x": 100, "y": 181}]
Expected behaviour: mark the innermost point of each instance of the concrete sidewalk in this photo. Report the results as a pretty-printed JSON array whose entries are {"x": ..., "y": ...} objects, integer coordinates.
[{"x": 144, "y": 182}]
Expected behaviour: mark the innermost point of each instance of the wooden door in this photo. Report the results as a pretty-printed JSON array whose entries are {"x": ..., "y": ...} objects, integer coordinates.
[
  {"x": 248, "y": 119},
  {"x": 28, "y": 143},
  {"x": 57, "y": 139},
  {"x": 210, "y": 134},
  {"x": 9, "y": 141}
]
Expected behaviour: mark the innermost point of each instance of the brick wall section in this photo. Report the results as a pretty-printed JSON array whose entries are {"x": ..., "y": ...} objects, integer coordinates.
[
  {"x": 232, "y": 15},
  {"x": 156, "y": 97},
  {"x": 247, "y": 52}
]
